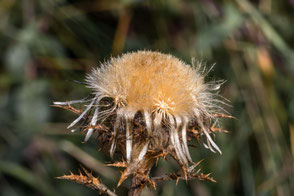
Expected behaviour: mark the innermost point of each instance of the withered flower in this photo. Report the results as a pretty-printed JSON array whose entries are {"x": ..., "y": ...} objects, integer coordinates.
[{"x": 146, "y": 105}]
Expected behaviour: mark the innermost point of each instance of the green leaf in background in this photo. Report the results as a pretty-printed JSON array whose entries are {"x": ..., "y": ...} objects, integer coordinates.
[
  {"x": 25, "y": 176},
  {"x": 32, "y": 103},
  {"x": 16, "y": 56},
  {"x": 214, "y": 34}
]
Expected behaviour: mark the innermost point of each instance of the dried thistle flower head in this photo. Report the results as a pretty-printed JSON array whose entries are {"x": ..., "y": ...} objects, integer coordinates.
[{"x": 150, "y": 104}]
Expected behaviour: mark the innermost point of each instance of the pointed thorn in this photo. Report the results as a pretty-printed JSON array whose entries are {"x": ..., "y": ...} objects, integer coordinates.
[
  {"x": 122, "y": 179},
  {"x": 185, "y": 173},
  {"x": 118, "y": 164},
  {"x": 86, "y": 171}
]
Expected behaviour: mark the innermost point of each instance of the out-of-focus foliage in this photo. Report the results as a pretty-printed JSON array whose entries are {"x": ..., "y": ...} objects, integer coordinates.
[{"x": 47, "y": 45}]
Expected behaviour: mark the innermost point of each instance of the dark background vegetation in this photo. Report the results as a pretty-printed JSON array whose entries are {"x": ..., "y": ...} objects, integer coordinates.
[{"x": 45, "y": 45}]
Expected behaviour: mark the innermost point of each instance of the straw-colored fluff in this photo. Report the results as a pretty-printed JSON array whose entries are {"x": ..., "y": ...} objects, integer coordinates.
[{"x": 168, "y": 93}]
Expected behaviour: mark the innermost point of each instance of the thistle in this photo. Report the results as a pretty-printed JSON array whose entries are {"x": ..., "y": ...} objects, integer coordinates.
[{"x": 147, "y": 105}]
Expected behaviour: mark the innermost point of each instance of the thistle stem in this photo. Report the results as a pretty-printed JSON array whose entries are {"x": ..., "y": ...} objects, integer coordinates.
[{"x": 137, "y": 186}]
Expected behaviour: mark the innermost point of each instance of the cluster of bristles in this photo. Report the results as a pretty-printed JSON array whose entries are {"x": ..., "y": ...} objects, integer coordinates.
[{"x": 149, "y": 104}]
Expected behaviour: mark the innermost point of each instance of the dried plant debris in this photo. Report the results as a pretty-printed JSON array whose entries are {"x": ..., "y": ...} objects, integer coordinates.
[
  {"x": 90, "y": 181},
  {"x": 147, "y": 105}
]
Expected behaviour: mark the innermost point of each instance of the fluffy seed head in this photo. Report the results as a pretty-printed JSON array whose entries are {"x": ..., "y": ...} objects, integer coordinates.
[
  {"x": 164, "y": 89},
  {"x": 151, "y": 104}
]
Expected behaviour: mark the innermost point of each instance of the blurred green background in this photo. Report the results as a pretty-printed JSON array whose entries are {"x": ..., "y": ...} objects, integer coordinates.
[{"x": 46, "y": 45}]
